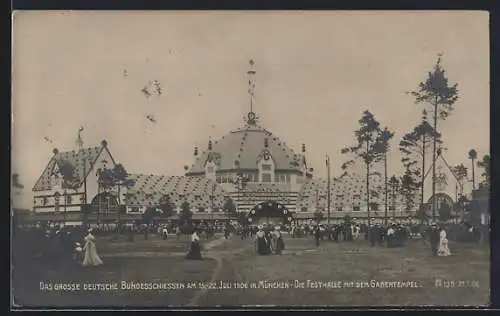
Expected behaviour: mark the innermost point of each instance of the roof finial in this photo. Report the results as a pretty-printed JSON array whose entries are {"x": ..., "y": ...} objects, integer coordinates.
[
  {"x": 252, "y": 119},
  {"x": 79, "y": 140},
  {"x": 424, "y": 115}
]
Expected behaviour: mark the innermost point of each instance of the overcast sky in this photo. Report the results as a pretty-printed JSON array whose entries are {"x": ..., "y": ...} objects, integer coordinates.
[{"x": 316, "y": 73}]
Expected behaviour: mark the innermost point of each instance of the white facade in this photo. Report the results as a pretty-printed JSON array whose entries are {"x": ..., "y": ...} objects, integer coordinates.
[{"x": 54, "y": 198}]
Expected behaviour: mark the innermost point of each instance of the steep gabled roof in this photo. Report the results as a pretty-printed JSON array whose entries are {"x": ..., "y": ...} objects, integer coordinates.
[{"x": 75, "y": 159}]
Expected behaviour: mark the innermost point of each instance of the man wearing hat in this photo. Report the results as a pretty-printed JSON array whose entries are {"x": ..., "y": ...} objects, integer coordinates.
[{"x": 434, "y": 238}]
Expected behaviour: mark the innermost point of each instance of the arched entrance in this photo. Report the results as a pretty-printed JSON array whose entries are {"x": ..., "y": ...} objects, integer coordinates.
[
  {"x": 270, "y": 212},
  {"x": 444, "y": 205},
  {"x": 105, "y": 204}
]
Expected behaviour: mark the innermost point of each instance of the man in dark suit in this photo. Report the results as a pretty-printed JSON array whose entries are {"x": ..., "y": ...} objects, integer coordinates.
[
  {"x": 373, "y": 233},
  {"x": 317, "y": 235},
  {"x": 434, "y": 238}
]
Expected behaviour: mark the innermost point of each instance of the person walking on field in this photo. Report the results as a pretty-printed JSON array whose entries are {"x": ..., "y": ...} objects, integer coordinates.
[
  {"x": 195, "y": 250},
  {"x": 280, "y": 245},
  {"x": 373, "y": 234},
  {"x": 434, "y": 239},
  {"x": 317, "y": 235},
  {"x": 91, "y": 257},
  {"x": 178, "y": 232},
  {"x": 164, "y": 234},
  {"x": 443, "y": 249}
]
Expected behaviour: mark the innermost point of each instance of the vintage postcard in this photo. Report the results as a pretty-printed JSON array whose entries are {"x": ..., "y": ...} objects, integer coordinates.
[{"x": 207, "y": 158}]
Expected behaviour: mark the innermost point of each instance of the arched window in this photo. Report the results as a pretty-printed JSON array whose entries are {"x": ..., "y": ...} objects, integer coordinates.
[
  {"x": 210, "y": 170},
  {"x": 266, "y": 168},
  {"x": 56, "y": 198}
]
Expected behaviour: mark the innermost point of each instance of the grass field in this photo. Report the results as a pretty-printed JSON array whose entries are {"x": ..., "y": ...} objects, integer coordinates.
[
  {"x": 359, "y": 262},
  {"x": 155, "y": 260},
  {"x": 152, "y": 260}
]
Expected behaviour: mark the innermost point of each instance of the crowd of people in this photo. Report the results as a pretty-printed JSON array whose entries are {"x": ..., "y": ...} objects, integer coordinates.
[
  {"x": 269, "y": 240},
  {"x": 58, "y": 243}
]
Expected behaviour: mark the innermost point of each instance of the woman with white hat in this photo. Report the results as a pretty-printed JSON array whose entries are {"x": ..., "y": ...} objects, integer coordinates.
[{"x": 91, "y": 257}]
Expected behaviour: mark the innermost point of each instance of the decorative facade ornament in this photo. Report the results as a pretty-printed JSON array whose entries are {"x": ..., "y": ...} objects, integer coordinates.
[
  {"x": 214, "y": 157},
  {"x": 441, "y": 179}
]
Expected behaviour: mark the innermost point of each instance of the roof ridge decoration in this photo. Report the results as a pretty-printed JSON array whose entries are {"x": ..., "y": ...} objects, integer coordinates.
[
  {"x": 251, "y": 116},
  {"x": 266, "y": 155}
]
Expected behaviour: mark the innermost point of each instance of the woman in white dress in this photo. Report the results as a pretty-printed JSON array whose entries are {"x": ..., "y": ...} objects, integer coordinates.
[
  {"x": 443, "y": 250},
  {"x": 91, "y": 257}
]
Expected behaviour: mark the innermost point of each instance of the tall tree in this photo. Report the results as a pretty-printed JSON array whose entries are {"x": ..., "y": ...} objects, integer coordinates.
[
  {"x": 147, "y": 218},
  {"x": 69, "y": 178},
  {"x": 368, "y": 149},
  {"x": 166, "y": 206},
  {"x": 117, "y": 176},
  {"x": 185, "y": 215},
  {"x": 414, "y": 147},
  {"x": 408, "y": 189},
  {"x": 318, "y": 216},
  {"x": 485, "y": 163},
  {"x": 460, "y": 173},
  {"x": 229, "y": 208},
  {"x": 395, "y": 189},
  {"x": 473, "y": 157},
  {"x": 441, "y": 96},
  {"x": 383, "y": 148}
]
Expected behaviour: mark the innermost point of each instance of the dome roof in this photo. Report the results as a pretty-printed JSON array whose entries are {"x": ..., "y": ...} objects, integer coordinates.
[{"x": 243, "y": 147}]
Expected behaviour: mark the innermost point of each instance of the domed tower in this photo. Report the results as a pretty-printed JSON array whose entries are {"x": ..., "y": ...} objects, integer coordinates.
[{"x": 252, "y": 163}]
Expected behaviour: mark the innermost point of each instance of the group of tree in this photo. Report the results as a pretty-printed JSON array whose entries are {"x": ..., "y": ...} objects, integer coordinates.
[
  {"x": 371, "y": 147},
  {"x": 484, "y": 163},
  {"x": 438, "y": 96},
  {"x": 166, "y": 209},
  {"x": 114, "y": 177}
]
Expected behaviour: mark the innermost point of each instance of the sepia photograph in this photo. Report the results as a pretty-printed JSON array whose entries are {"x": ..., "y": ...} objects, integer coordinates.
[{"x": 204, "y": 159}]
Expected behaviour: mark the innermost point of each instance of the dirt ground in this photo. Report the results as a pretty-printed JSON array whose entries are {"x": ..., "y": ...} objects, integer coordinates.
[{"x": 351, "y": 274}]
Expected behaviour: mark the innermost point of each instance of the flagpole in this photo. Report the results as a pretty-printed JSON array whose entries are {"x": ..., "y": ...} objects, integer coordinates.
[{"x": 328, "y": 187}]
